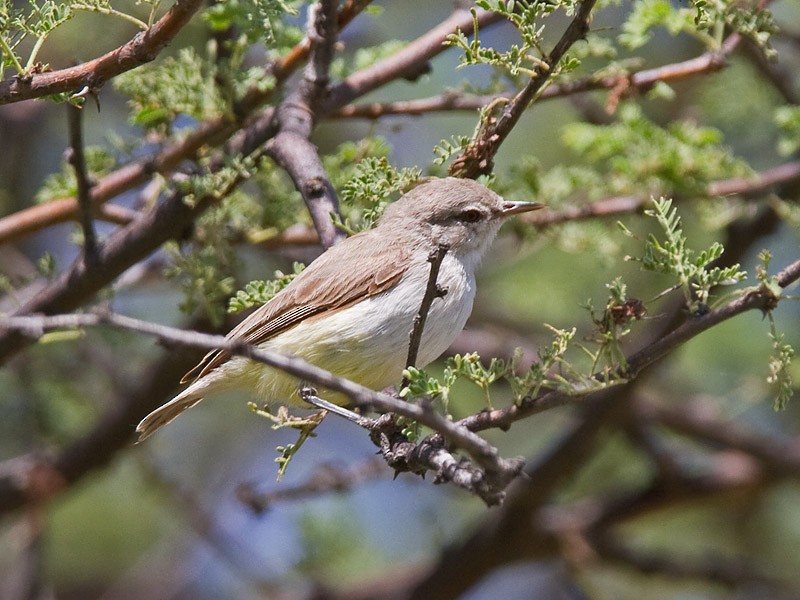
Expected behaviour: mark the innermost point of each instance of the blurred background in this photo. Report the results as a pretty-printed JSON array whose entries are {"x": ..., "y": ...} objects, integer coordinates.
[{"x": 176, "y": 518}]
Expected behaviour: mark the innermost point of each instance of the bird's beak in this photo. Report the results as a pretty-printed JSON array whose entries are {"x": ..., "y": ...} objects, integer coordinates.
[{"x": 514, "y": 208}]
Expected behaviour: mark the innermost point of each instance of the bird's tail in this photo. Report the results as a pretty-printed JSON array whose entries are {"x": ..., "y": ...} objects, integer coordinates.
[{"x": 165, "y": 414}]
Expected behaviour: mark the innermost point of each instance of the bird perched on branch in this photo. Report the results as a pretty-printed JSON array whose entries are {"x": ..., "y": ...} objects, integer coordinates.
[{"x": 352, "y": 310}]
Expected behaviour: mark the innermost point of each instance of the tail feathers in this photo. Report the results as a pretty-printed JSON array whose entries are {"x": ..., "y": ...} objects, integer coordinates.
[{"x": 165, "y": 414}]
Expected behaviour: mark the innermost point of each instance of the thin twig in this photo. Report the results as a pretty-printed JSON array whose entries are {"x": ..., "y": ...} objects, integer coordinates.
[
  {"x": 325, "y": 478},
  {"x": 432, "y": 291},
  {"x": 78, "y": 161}
]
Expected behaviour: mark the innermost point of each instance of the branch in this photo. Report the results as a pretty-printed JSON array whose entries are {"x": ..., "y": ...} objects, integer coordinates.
[
  {"x": 408, "y": 61},
  {"x": 432, "y": 291},
  {"x": 143, "y": 48},
  {"x": 498, "y": 471},
  {"x": 291, "y": 147},
  {"x": 478, "y": 157},
  {"x": 325, "y": 478},
  {"x": 759, "y": 298},
  {"x": 639, "y": 81},
  {"x": 78, "y": 161},
  {"x": 218, "y": 129}
]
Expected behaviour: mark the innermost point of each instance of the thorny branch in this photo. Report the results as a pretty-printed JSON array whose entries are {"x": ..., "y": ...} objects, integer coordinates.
[
  {"x": 758, "y": 298},
  {"x": 90, "y": 76},
  {"x": 478, "y": 157}
]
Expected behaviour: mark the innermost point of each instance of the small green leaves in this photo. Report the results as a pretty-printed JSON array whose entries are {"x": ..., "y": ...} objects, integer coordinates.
[
  {"x": 470, "y": 367},
  {"x": 614, "y": 324},
  {"x": 257, "y": 19},
  {"x": 780, "y": 359},
  {"x": 780, "y": 362},
  {"x": 787, "y": 118},
  {"x": 371, "y": 190},
  {"x": 672, "y": 257},
  {"x": 183, "y": 85},
  {"x": 445, "y": 149},
  {"x": 552, "y": 371},
  {"x": 526, "y": 58},
  {"x": 304, "y": 425},
  {"x": 705, "y": 20},
  {"x": 260, "y": 292}
]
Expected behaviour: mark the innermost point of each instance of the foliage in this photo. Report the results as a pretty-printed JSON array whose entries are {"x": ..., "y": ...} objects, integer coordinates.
[
  {"x": 782, "y": 353},
  {"x": 257, "y": 20},
  {"x": 788, "y": 119},
  {"x": 179, "y": 86},
  {"x": 638, "y": 154},
  {"x": 705, "y": 20},
  {"x": 63, "y": 184},
  {"x": 691, "y": 269},
  {"x": 520, "y": 59},
  {"x": 305, "y": 427},
  {"x": 260, "y": 292},
  {"x": 371, "y": 189}
]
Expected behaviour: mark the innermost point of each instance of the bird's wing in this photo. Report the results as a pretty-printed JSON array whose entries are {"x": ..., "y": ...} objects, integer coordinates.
[{"x": 324, "y": 286}]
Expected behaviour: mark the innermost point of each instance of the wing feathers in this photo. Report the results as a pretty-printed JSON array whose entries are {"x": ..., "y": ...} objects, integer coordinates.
[{"x": 361, "y": 266}]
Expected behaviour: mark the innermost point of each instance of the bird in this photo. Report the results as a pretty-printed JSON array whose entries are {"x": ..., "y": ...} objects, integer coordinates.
[{"x": 351, "y": 311}]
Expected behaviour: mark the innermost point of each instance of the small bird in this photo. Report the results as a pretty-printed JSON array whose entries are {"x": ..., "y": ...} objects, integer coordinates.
[{"x": 352, "y": 310}]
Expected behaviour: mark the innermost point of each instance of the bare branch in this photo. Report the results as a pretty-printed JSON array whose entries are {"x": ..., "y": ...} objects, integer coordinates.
[
  {"x": 143, "y": 48},
  {"x": 325, "y": 478},
  {"x": 432, "y": 291},
  {"x": 638, "y": 81},
  {"x": 78, "y": 161},
  {"x": 406, "y": 62},
  {"x": 291, "y": 147}
]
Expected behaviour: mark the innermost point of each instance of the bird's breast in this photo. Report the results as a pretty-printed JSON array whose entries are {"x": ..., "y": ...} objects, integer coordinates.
[{"x": 368, "y": 341}]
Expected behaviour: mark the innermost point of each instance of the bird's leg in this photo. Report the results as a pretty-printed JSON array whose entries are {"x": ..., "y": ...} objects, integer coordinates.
[{"x": 309, "y": 394}]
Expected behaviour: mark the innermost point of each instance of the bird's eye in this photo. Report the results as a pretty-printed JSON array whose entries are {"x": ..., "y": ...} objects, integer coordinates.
[{"x": 471, "y": 215}]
